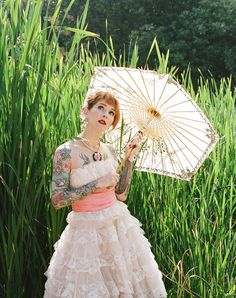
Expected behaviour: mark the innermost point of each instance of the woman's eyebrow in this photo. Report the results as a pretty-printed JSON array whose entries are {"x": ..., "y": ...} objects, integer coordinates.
[{"x": 106, "y": 106}]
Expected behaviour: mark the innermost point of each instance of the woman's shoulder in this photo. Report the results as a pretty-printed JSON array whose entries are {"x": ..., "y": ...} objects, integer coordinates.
[
  {"x": 64, "y": 149},
  {"x": 72, "y": 150}
]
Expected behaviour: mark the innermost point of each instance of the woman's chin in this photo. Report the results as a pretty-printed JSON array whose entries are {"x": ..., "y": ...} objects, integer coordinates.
[{"x": 101, "y": 129}]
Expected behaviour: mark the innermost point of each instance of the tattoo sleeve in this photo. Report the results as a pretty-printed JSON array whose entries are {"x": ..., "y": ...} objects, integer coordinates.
[
  {"x": 125, "y": 178},
  {"x": 62, "y": 194}
]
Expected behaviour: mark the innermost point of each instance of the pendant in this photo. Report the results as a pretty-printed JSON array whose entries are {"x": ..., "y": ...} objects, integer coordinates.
[{"x": 97, "y": 156}]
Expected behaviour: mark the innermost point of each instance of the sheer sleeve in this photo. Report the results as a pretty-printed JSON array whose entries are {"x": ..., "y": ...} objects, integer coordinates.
[{"x": 62, "y": 194}]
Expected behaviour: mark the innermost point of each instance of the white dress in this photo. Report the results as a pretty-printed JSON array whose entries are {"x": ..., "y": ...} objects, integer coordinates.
[{"x": 104, "y": 253}]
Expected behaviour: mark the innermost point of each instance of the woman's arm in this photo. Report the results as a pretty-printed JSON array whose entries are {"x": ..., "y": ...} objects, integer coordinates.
[
  {"x": 122, "y": 187},
  {"x": 62, "y": 194}
]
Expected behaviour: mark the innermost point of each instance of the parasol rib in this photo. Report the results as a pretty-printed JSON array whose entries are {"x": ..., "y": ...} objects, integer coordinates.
[
  {"x": 138, "y": 87},
  {"x": 201, "y": 140},
  {"x": 163, "y": 89},
  {"x": 174, "y": 134},
  {"x": 148, "y": 95},
  {"x": 189, "y": 119},
  {"x": 183, "y": 111},
  {"x": 190, "y": 126},
  {"x": 177, "y": 156},
  {"x": 126, "y": 94},
  {"x": 154, "y": 91},
  {"x": 135, "y": 91},
  {"x": 187, "y": 131},
  {"x": 169, "y": 98},
  {"x": 176, "y": 104},
  {"x": 187, "y": 147},
  {"x": 169, "y": 124},
  {"x": 169, "y": 155},
  {"x": 180, "y": 150}
]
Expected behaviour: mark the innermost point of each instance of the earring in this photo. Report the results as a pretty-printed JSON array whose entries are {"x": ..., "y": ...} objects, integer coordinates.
[{"x": 84, "y": 123}]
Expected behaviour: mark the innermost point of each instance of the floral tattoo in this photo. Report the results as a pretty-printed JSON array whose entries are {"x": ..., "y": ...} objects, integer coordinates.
[
  {"x": 125, "y": 178},
  {"x": 62, "y": 194}
]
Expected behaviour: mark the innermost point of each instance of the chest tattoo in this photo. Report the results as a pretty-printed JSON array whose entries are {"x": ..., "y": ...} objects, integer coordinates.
[{"x": 85, "y": 159}]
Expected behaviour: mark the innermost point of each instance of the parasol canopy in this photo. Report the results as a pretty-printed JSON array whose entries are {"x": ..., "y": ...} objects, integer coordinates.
[{"x": 177, "y": 135}]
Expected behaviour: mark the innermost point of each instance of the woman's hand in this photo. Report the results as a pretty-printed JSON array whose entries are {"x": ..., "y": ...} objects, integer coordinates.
[
  {"x": 108, "y": 181},
  {"x": 134, "y": 146}
]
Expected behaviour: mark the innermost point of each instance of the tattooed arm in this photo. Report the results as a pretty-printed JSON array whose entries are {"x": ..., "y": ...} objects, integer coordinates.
[
  {"x": 122, "y": 186},
  {"x": 62, "y": 194}
]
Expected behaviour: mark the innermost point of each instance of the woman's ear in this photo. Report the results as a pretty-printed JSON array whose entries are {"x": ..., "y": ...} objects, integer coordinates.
[{"x": 85, "y": 110}]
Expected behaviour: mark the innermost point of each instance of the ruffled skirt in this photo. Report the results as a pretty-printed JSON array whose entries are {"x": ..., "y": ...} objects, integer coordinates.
[{"x": 103, "y": 254}]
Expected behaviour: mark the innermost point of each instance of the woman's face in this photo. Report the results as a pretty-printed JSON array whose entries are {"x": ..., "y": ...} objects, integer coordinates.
[{"x": 101, "y": 115}]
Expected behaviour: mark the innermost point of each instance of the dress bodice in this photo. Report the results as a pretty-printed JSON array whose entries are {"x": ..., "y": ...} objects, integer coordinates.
[
  {"x": 99, "y": 199},
  {"x": 92, "y": 171}
]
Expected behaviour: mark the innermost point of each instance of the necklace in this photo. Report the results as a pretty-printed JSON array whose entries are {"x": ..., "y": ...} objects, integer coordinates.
[{"x": 97, "y": 156}]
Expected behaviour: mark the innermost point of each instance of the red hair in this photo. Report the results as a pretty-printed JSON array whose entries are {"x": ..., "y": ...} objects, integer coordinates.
[{"x": 109, "y": 99}]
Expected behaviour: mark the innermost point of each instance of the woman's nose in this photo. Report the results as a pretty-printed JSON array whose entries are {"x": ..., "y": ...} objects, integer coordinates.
[{"x": 105, "y": 114}]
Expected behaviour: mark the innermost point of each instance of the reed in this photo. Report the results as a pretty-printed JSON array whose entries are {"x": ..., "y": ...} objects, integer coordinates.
[{"x": 190, "y": 224}]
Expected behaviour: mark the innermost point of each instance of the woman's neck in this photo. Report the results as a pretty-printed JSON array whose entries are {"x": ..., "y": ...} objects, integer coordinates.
[{"x": 92, "y": 136}]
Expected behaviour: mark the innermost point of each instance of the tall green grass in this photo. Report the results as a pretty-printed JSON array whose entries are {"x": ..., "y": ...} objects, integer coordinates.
[{"x": 190, "y": 224}]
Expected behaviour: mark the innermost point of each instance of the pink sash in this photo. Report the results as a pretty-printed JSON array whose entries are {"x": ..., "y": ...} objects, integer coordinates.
[{"x": 95, "y": 201}]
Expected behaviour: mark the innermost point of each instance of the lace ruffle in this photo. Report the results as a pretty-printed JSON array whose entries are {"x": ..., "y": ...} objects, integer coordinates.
[
  {"x": 92, "y": 171},
  {"x": 103, "y": 254}
]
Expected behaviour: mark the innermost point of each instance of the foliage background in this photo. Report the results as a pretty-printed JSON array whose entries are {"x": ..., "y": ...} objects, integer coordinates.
[{"x": 200, "y": 33}]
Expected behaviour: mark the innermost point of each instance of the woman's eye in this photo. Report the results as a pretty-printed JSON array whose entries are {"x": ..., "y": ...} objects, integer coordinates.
[
  {"x": 112, "y": 113},
  {"x": 100, "y": 107}
]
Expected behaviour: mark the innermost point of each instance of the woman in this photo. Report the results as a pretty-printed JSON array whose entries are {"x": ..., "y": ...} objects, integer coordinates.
[{"x": 102, "y": 252}]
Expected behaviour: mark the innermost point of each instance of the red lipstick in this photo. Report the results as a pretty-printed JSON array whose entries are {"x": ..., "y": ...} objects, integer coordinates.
[{"x": 103, "y": 122}]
